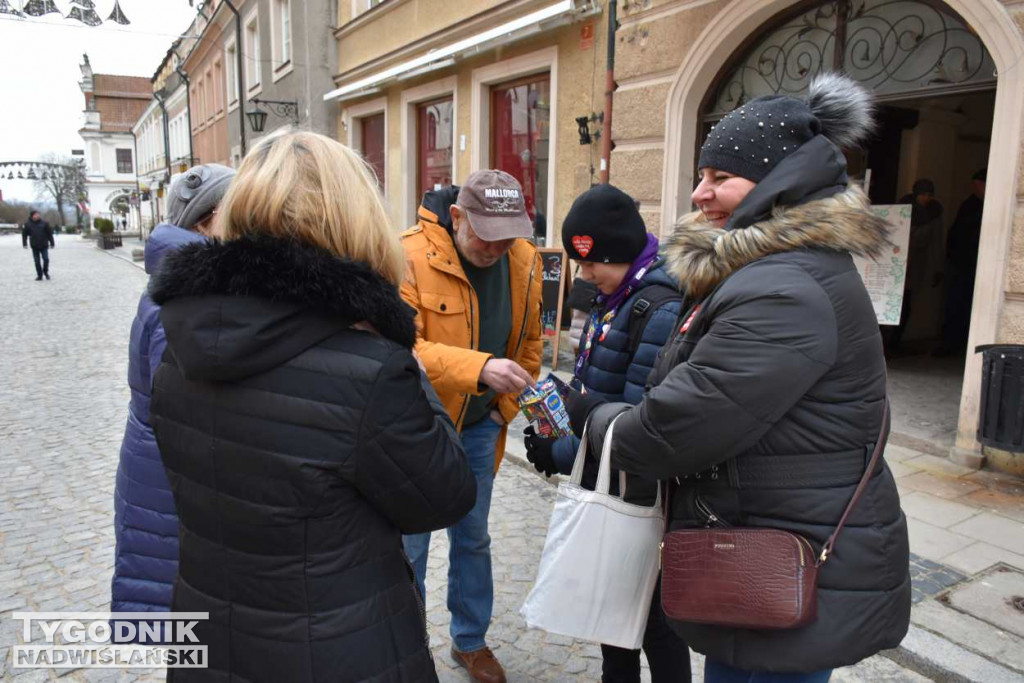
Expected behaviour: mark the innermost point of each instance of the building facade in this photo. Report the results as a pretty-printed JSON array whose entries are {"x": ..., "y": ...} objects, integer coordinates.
[
  {"x": 163, "y": 155},
  {"x": 430, "y": 91},
  {"x": 289, "y": 57},
  {"x": 112, "y": 106},
  {"x": 951, "y": 102},
  {"x": 203, "y": 61}
]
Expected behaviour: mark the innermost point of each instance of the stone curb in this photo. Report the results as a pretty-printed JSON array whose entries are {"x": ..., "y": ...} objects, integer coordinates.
[
  {"x": 944, "y": 661},
  {"x": 127, "y": 259}
]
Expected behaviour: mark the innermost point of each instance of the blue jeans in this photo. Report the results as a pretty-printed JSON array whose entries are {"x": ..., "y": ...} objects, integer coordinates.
[
  {"x": 716, "y": 672},
  {"x": 44, "y": 267},
  {"x": 470, "y": 584}
]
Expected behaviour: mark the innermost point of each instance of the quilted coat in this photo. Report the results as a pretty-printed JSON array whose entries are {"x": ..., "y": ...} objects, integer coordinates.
[
  {"x": 765, "y": 410},
  {"x": 300, "y": 445},
  {"x": 145, "y": 523}
]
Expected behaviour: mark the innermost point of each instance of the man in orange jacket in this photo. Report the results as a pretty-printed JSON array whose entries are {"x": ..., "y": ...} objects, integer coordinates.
[{"x": 475, "y": 282}]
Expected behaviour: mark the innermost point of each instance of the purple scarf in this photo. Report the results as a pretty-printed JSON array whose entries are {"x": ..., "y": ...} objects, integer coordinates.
[
  {"x": 606, "y": 307},
  {"x": 648, "y": 256}
]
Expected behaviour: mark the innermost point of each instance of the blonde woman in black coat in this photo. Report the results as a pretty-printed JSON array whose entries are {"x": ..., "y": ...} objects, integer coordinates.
[{"x": 300, "y": 436}]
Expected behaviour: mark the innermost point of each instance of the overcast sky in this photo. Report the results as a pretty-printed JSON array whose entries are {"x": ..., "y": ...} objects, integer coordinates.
[{"x": 40, "y": 101}]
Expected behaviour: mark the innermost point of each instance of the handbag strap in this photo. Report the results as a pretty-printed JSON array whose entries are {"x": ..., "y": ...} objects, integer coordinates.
[
  {"x": 826, "y": 549},
  {"x": 883, "y": 437}
]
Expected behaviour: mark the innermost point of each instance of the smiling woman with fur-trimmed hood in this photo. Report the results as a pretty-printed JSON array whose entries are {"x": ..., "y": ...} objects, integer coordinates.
[{"x": 765, "y": 407}]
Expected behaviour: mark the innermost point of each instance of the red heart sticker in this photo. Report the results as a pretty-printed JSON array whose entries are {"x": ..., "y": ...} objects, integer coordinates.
[{"x": 583, "y": 244}]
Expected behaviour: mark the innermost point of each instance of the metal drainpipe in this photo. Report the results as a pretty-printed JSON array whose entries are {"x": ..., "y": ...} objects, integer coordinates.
[
  {"x": 609, "y": 91},
  {"x": 167, "y": 139},
  {"x": 239, "y": 43},
  {"x": 188, "y": 113},
  {"x": 138, "y": 187}
]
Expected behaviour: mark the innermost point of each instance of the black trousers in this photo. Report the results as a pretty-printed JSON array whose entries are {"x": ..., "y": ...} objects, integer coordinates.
[
  {"x": 667, "y": 654},
  {"x": 45, "y": 267}
]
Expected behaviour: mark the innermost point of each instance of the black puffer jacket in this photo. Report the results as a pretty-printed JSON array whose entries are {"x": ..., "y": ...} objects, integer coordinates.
[
  {"x": 299, "y": 450},
  {"x": 37, "y": 234},
  {"x": 769, "y": 406}
]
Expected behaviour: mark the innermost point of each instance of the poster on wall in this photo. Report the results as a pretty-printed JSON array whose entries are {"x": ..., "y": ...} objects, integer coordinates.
[{"x": 885, "y": 276}]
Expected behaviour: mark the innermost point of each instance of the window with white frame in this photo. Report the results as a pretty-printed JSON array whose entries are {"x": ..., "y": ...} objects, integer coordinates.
[
  {"x": 252, "y": 49},
  {"x": 218, "y": 105},
  {"x": 231, "y": 72},
  {"x": 360, "y": 6},
  {"x": 281, "y": 17}
]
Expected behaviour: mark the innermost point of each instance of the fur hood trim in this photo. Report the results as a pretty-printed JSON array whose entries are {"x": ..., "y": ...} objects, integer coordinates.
[
  {"x": 701, "y": 255},
  {"x": 283, "y": 270}
]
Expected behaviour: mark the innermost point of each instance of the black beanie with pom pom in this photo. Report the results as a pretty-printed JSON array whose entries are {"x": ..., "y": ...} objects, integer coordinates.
[{"x": 752, "y": 139}]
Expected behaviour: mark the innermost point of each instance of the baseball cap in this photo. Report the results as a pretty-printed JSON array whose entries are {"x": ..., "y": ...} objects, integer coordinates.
[{"x": 494, "y": 203}]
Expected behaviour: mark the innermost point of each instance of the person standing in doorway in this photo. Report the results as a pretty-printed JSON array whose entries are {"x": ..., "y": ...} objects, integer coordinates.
[
  {"x": 475, "y": 282},
  {"x": 924, "y": 259},
  {"x": 961, "y": 267},
  {"x": 38, "y": 234}
]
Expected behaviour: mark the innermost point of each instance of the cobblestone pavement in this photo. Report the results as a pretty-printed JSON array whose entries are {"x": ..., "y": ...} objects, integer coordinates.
[{"x": 63, "y": 357}]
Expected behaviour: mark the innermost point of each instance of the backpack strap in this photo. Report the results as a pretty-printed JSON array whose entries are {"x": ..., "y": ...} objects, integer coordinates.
[{"x": 645, "y": 302}]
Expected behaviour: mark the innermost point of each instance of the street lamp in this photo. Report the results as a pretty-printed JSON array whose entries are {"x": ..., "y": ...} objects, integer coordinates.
[{"x": 258, "y": 118}]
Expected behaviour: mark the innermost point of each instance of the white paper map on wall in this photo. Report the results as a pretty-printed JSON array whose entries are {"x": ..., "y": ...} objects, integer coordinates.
[{"x": 885, "y": 276}]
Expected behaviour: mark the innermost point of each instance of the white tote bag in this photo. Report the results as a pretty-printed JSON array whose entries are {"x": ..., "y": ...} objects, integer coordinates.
[{"x": 600, "y": 561}]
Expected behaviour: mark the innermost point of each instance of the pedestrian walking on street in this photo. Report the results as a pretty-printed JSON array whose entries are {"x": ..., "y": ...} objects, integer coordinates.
[
  {"x": 768, "y": 402},
  {"x": 633, "y": 316},
  {"x": 300, "y": 436},
  {"x": 38, "y": 234},
  {"x": 475, "y": 283},
  {"x": 145, "y": 521}
]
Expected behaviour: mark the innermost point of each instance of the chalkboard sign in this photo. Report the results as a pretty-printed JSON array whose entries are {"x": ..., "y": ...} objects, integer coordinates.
[{"x": 554, "y": 264}]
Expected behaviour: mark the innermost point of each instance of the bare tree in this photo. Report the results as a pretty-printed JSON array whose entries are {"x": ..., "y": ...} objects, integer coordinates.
[{"x": 61, "y": 185}]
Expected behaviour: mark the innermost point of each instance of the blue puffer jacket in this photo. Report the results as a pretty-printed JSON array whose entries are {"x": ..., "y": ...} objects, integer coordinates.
[
  {"x": 617, "y": 373},
  {"x": 145, "y": 521}
]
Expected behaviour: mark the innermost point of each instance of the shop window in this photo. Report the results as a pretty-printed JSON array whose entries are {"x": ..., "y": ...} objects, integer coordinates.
[
  {"x": 434, "y": 131},
  {"x": 372, "y": 145},
  {"x": 520, "y": 131}
]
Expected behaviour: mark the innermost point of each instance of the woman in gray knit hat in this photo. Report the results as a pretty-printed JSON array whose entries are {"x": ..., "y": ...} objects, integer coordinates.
[
  {"x": 766, "y": 406},
  {"x": 145, "y": 522}
]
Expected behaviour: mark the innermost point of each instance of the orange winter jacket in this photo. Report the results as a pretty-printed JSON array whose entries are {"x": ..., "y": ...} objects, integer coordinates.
[{"x": 448, "y": 317}]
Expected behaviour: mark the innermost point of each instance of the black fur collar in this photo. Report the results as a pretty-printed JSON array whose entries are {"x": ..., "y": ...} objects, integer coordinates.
[{"x": 285, "y": 270}]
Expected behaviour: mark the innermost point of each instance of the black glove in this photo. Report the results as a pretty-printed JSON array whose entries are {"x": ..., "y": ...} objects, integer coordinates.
[
  {"x": 579, "y": 407},
  {"x": 538, "y": 452}
]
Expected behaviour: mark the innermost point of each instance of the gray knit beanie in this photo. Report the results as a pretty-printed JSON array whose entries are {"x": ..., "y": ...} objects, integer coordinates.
[{"x": 194, "y": 195}]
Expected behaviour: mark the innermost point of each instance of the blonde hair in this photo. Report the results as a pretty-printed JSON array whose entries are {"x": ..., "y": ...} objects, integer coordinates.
[{"x": 315, "y": 190}]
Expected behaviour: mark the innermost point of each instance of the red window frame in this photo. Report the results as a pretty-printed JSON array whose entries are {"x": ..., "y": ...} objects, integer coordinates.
[
  {"x": 372, "y": 145},
  {"x": 524, "y": 153}
]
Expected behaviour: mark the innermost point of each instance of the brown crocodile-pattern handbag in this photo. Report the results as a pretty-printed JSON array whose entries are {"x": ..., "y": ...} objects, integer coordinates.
[{"x": 749, "y": 577}]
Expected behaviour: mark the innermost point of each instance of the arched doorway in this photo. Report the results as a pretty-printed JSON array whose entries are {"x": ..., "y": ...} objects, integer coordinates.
[{"x": 702, "y": 86}]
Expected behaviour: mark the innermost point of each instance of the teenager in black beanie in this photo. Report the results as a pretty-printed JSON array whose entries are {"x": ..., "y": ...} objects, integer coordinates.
[
  {"x": 631, "y": 318},
  {"x": 764, "y": 407}
]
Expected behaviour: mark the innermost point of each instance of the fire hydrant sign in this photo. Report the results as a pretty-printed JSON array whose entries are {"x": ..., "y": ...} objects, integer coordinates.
[{"x": 885, "y": 277}]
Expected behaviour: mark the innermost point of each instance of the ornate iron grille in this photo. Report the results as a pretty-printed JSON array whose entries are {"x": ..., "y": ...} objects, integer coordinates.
[{"x": 893, "y": 47}]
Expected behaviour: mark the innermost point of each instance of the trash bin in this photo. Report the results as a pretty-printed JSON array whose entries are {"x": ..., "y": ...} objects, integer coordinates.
[{"x": 1001, "y": 423}]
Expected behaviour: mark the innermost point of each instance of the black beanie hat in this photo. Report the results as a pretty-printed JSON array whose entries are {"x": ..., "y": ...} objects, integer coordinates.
[
  {"x": 752, "y": 139},
  {"x": 604, "y": 226}
]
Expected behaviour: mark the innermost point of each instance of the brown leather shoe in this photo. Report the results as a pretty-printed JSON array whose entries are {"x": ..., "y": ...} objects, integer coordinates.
[{"x": 482, "y": 665}]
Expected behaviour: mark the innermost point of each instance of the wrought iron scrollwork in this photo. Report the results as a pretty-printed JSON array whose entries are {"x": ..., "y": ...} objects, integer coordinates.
[{"x": 891, "y": 46}]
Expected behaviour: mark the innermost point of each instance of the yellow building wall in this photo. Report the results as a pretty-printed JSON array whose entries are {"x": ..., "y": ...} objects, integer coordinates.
[
  {"x": 580, "y": 91},
  {"x": 399, "y": 23}
]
